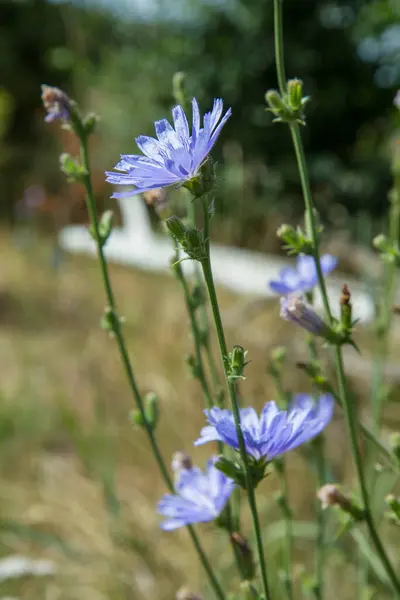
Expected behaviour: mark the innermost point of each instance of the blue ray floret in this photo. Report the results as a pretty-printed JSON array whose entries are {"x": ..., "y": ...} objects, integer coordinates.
[
  {"x": 175, "y": 157},
  {"x": 275, "y": 431},
  {"x": 304, "y": 277},
  {"x": 200, "y": 497}
]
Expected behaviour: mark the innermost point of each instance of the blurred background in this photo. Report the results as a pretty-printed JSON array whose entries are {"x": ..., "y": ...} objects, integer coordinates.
[{"x": 78, "y": 485}]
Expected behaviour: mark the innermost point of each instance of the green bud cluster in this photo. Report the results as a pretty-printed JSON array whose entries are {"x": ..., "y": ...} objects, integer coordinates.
[
  {"x": 288, "y": 107},
  {"x": 190, "y": 239}
]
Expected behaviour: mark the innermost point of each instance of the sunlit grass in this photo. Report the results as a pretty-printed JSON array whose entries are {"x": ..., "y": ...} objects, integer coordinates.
[{"x": 78, "y": 483}]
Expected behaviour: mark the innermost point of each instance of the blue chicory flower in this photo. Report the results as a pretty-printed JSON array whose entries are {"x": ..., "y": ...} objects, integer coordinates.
[
  {"x": 275, "y": 431},
  {"x": 294, "y": 308},
  {"x": 304, "y": 277},
  {"x": 200, "y": 497},
  {"x": 175, "y": 157},
  {"x": 57, "y": 104}
]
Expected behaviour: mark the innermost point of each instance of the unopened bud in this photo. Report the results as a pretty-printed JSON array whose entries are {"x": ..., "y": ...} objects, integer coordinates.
[
  {"x": 238, "y": 361},
  {"x": 57, "y": 104},
  {"x": 176, "y": 228},
  {"x": 274, "y": 101},
  {"x": 178, "y": 88},
  {"x": 345, "y": 309},
  {"x": 330, "y": 495},
  {"x": 295, "y": 93},
  {"x": 245, "y": 553},
  {"x": 380, "y": 242}
]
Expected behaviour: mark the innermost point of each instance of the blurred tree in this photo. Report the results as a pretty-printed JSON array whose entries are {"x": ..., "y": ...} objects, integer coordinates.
[{"x": 123, "y": 69}]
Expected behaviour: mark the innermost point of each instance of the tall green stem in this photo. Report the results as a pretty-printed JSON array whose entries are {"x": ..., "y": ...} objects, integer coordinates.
[
  {"x": 200, "y": 371},
  {"x": 208, "y": 276},
  {"x": 350, "y": 417},
  {"x": 91, "y": 206},
  {"x": 191, "y": 214}
]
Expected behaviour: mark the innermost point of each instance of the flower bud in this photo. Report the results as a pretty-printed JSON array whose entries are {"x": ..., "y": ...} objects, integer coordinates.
[
  {"x": 330, "y": 495},
  {"x": 89, "y": 122},
  {"x": 151, "y": 409},
  {"x": 274, "y": 101},
  {"x": 178, "y": 88},
  {"x": 238, "y": 361},
  {"x": 176, "y": 228},
  {"x": 380, "y": 242},
  {"x": 345, "y": 309},
  {"x": 245, "y": 554},
  {"x": 295, "y": 93},
  {"x": 57, "y": 104},
  {"x": 105, "y": 226},
  {"x": 295, "y": 309}
]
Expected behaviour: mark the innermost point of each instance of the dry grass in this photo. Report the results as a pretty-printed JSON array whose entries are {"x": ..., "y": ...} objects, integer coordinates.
[{"x": 78, "y": 483}]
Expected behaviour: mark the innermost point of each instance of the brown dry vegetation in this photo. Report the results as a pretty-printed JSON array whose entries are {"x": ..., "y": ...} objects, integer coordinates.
[{"x": 78, "y": 483}]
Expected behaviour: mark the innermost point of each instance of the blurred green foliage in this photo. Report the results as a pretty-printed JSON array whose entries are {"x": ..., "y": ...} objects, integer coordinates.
[{"x": 123, "y": 69}]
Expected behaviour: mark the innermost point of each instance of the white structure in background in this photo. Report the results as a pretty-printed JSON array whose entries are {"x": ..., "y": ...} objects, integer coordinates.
[{"x": 242, "y": 271}]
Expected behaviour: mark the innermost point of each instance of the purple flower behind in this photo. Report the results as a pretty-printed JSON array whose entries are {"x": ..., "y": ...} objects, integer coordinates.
[
  {"x": 175, "y": 157},
  {"x": 57, "y": 104},
  {"x": 275, "y": 431},
  {"x": 200, "y": 497},
  {"x": 304, "y": 277},
  {"x": 396, "y": 100}
]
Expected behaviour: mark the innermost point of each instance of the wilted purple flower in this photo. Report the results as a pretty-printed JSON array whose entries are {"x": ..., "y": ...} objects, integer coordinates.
[
  {"x": 294, "y": 308},
  {"x": 175, "y": 157},
  {"x": 275, "y": 431},
  {"x": 304, "y": 277},
  {"x": 200, "y": 497},
  {"x": 57, "y": 104}
]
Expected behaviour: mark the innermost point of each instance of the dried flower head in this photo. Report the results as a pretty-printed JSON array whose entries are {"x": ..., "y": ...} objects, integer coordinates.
[
  {"x": 57, "y": 104},
  {"x": 330, "y": 495},
  {"x": 180, "y": 461}
]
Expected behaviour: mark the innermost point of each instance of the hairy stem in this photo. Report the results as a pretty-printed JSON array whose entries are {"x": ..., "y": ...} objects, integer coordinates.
[
  {"x": 208, "y": 276},
  {"x": 91, "y": 206},
  {"x": 349, "y": 412}
]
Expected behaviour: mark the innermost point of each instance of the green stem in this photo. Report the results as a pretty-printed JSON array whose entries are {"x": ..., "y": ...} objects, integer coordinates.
[
  {"x": 208, "y": 276},
  {"x": 288, "y": 541},
  {"x": 350, "y": 417},
  {"x": 91, "y": 205},
  {"x": 201, "y": 375},
  {"x": 342, "y": 383},
  {"x": 191, "y": 214},
  {"x": 279, "y": 46}
]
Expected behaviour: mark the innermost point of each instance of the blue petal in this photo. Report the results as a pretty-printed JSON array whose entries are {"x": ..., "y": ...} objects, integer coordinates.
[
  {"x": 208, "y": 434},
  {"x": 307, "y": 270},
  {"x": 151, "y": 148},
  {"x": 227, "y": 430},
  {"x": 181, "y": 125},
  {"x": 279, "y": 288},
  {"x": 328, "y": 263},
  {"x": 196, "y": 121},
  {"x": 166, "y": 134}
]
